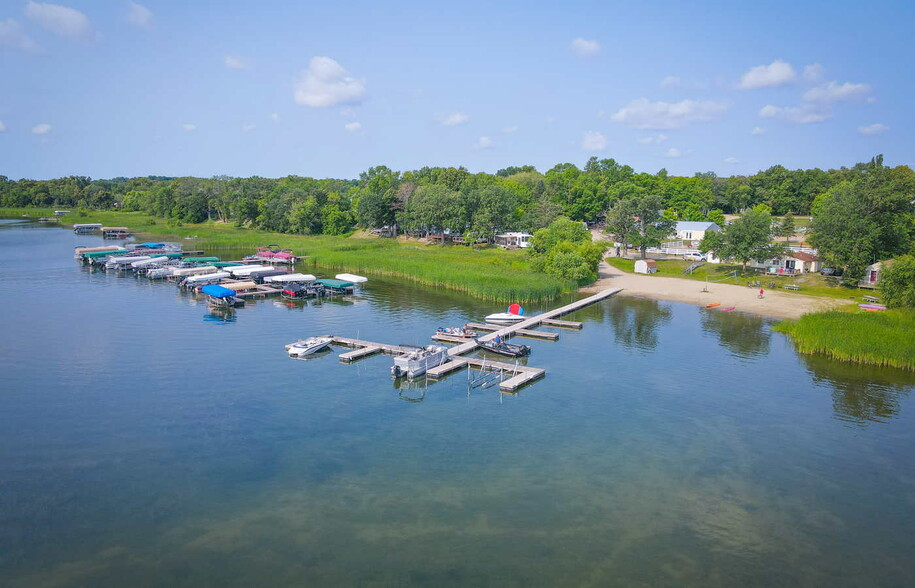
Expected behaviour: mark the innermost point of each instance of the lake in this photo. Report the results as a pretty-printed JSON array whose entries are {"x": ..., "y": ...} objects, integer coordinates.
[{"x": 146, "y": 442}]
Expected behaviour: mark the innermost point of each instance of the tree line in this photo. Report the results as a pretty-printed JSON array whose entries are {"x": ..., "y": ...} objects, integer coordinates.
[{"x": 434, "y": 199}]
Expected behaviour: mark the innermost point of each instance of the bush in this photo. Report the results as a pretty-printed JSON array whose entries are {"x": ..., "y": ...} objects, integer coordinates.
[{"x": 897, "y": 282}]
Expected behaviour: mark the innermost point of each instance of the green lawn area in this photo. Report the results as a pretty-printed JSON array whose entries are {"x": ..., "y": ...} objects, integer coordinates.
[
  {"x": 489, "y": 273},
  {"x": 808, "y": 284}
]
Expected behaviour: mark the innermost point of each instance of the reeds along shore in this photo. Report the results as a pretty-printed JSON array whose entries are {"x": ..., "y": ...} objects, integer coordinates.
[
  {"x": 486, "y": 273},
  {"x": 878, "y": 338}
]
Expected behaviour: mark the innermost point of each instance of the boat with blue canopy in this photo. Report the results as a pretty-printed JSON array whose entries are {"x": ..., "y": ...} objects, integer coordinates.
[{"x": 221, "y": 296}]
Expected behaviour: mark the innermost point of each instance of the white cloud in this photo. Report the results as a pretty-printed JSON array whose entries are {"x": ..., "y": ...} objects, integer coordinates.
[
  {"x": 248, "y": 127},
  {"x": 454, "y": 119},
  {"x": 237, "y": 62},
  {"x": 803, "y": 115},
  {"x": 584, "y": 47},
  {"x": 326, "y": 83},
  {"x": 189, "y": 127},
  {"x": 275, "y": 117},
  {"x": 644, "y": 114},
  {"x": 732, "y": 160},
  {"x": 813, "y": 73},
  {"x": 593, "y": 141},
  {"x": 42, "y": 129},
  {"x": 671, "y": 82},
  {"x": 483, "y": 143},
  {"x": 61, "y": 20},
  {"x": 673, "y": 153},
  {"x": 874, "y": 129},
  {"x": 13, "y": 37},
  {"x": 836, "y": 92},
  {"x": 139, "y": 15},
  {"x": 758, "y": 131},
  {"x": 2, "y": 127},
  {"x": 777, "y": 73},
  {"x": 652, "y": 140},
  {"x": 353, "y": 127},
  {"x": 509, "y": 130}
]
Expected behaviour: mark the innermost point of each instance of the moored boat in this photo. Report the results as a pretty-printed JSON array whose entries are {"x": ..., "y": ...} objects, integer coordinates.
[
  {"x": 456, "y": 332},
  {"x": 499, "y": 346},
  {"x": 220, "y": 297},
  {"x": 416, "y": 361},
  {"x": 352, "y": 278},
  {"x": 310, "y": 346},
  {"x": 296, "y": 291},
  {"x": 513, "y": 314}
]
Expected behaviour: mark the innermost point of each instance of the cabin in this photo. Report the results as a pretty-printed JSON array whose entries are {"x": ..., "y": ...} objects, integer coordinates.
[
  {"x": 513, "y": 240},
  {"x": 872, "y": 274},
  {"x": 646, "y": 266},
  {"x": 694, "y": 230},
  {"x": 792, "y": 263}
]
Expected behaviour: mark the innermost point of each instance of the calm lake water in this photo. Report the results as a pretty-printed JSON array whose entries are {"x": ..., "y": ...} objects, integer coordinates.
[{"x": 144, "y": 442}]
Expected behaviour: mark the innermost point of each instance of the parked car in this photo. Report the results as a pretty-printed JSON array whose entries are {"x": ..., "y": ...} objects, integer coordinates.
[
  {"x": 832, "y": 271},
  {"x": 695, "y": 257}
]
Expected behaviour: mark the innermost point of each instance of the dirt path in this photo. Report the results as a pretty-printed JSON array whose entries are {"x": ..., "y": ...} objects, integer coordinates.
[{"x": 773, "y": 304}]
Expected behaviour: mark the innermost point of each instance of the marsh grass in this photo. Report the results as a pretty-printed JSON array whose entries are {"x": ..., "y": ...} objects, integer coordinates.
[
  {"x": 487, "y": 273},
  {"x": 875, "y": 338}
]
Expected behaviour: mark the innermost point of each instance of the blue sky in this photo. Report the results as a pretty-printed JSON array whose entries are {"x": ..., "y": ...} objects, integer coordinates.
[{"x": 269, "y": 88}]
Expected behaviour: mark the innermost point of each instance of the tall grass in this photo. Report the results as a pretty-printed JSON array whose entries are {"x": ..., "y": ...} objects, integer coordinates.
[
  {"x": 487, "y": 273},
  {"x": 876, "y": 338}
]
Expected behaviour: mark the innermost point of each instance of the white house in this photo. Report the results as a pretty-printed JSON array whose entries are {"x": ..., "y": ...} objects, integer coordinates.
[
  {"x": 646, "y": 266},
  {"x": 694, "y": 230},
  {"x": 790, "y": 264},
  {"x": 514, "y": 240}
]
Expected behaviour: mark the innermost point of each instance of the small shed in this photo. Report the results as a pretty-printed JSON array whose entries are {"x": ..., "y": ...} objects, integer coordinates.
[{"x": 646, "y": 266}]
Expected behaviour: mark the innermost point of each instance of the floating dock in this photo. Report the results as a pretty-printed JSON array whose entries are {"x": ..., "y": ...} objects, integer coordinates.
[{"x": 520, "y": 375}]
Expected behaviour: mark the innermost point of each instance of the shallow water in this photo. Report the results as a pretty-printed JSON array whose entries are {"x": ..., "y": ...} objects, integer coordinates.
[{"x": 145, "y": 442}]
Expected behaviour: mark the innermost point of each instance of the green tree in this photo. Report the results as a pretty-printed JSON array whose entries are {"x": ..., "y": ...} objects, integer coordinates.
[
  {"x": 750, "y": 237},
  {"x": 786, "y": 228},
  {"x": 622, "y": 223},
  {"x": 716, "y": 216},
  {"x": 865, "y": 219},
  {"x": 652, "y": 226},
  {"x": 897, "y": 282}
]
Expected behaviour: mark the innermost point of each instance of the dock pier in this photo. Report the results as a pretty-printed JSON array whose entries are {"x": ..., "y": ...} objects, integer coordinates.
[{"x": 521, "y": 375}]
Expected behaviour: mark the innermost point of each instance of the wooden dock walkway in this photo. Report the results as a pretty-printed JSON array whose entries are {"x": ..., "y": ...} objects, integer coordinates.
[
  {"x": 534, "y": 321},
  {"x": 547, "y": 335},
  {"x": 521, "y": 375}
]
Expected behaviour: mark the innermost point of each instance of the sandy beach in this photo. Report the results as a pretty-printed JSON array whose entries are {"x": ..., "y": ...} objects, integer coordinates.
[{"x": 774, "y": 304}]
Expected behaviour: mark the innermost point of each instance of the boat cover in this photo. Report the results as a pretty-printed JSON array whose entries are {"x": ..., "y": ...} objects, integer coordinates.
[
  {"x": 217, "y": 291},
  {"x": 335, "y": 283}
]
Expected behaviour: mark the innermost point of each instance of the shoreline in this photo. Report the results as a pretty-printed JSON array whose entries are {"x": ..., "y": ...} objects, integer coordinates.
[{"x": 774, "y": 304}]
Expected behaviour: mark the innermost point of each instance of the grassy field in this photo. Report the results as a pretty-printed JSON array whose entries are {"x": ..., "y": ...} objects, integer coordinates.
[
  {"x": 488, "y": 273},
  {"x": 808, "y": 284},
  {"x": 876, "y": 338}
]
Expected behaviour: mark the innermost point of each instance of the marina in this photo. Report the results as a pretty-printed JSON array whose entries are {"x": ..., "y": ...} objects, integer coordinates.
[{"x": 520, "y": 375}]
